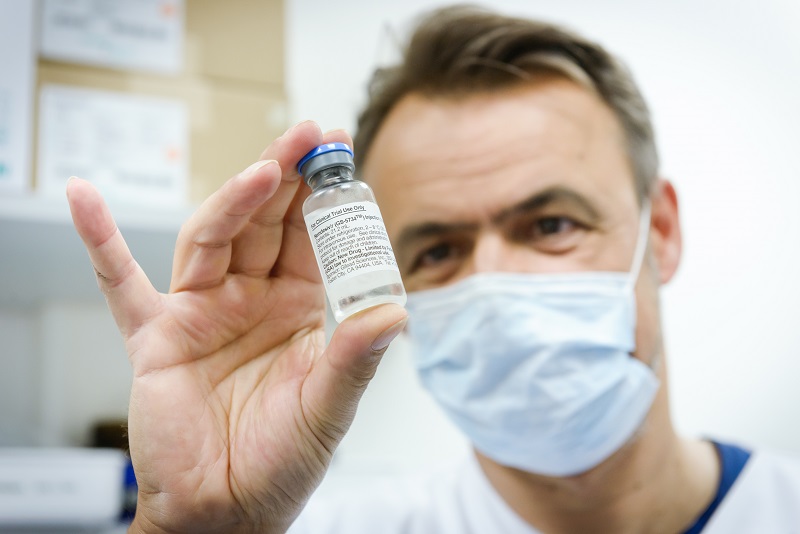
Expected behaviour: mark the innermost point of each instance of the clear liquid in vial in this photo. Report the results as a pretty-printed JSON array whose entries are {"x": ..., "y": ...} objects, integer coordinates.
[{"x": 352, "y": 295}]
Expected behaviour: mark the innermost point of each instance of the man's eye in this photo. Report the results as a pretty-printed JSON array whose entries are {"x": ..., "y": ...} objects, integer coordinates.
[
  {"x": 552, "y": 235},
  {"x": 435, "y": 255},
  {"x": 552, "y": 225},
  {"x": 436, "y": 259},
  {"x": 436, "y": 262}
]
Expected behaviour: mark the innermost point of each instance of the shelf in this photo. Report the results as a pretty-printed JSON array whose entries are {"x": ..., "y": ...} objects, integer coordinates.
[
  {"x": 42, "y": 258},
  {"x": 46, "y": 209}
]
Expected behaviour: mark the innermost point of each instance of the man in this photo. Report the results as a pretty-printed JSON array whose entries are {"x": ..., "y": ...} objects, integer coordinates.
[{"x": 516, "y": 171}]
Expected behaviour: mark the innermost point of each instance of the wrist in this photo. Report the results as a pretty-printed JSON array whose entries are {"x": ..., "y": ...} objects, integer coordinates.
[{"x": 142, "y": 525}]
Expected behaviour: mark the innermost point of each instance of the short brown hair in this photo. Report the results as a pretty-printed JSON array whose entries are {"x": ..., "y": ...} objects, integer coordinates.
[{"x": 460, "y": 50}]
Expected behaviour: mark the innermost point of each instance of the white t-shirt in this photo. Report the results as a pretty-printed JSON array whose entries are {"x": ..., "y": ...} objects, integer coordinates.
[
  {"x": 765, "y": 498},
  {"x": 460, "y": 500}
]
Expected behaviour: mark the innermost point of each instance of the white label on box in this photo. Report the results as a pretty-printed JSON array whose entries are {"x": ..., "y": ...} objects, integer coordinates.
[
  {"x": 17, "y": 59},
  {"x": 129, "y": 34},
  {"x": 134, "y": 148}
]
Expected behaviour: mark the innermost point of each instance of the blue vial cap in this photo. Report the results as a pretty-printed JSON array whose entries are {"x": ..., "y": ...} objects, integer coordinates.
[{"x": 323, "y": 149}]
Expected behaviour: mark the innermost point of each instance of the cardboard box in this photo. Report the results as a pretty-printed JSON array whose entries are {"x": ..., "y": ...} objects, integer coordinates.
[
  {"x": 229, "y": 124},
  {"x": 233, "y": 85}
]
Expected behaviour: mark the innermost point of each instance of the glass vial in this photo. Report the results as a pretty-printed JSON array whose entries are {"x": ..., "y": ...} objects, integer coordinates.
[{"x": 347, "y": 232}]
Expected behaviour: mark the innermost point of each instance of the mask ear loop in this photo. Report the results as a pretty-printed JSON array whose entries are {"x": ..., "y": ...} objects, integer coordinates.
[
  {"x": 641, "y": 244},
  {"x": 636, "y": 267}
]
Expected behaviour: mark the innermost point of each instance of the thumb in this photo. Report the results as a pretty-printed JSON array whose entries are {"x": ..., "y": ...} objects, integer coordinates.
[{"x": 338, "y": 379}]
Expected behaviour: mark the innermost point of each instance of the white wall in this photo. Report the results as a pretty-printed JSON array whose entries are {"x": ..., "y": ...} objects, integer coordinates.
[
  {"x": 63, "y": 366},
  {"x": 64, "y": 369},
  {"x": 723, "y": 80},
  {"x": 19, "y": 377},
  {"x": 86, "y": 377}
]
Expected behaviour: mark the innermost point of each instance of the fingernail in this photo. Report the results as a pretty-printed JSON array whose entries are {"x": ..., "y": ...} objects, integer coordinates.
[
  {"x": 252, "y": 169},
  {"x": 388, "y": 335},
  {"x": 296, "y": 126},
  {"x": 69, "y": 180}
]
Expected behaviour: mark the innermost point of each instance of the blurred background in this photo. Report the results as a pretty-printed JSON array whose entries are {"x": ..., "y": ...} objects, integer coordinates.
[{"x": 160, "y": 101}]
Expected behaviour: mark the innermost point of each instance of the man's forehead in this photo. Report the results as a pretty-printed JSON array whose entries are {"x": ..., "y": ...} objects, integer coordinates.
[
  {"x": 439, "y": 158},
  {"x": 474, "y": 130}
]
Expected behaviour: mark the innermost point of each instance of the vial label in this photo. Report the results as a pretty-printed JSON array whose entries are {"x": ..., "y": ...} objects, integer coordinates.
[{"x": 349, "y": 240}]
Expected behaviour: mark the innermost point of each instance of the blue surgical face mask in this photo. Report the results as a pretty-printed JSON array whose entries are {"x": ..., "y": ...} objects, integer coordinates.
[{"x": 536, "y": 369}]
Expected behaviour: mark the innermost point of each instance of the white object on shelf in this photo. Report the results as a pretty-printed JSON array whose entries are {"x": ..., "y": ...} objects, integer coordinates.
[
  {"x": 136, "y": 148},
  {"x": 53, "y": 209},
  {"x": 18, "y": 60},
  {"x": 61, "y": 487},
  {"x": 135, "y": 34}
]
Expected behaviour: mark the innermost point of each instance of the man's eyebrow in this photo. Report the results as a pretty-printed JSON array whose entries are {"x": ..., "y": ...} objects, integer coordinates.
[
  {"x": 549, "y": 196},
  {"x": 431, "y": 229}
]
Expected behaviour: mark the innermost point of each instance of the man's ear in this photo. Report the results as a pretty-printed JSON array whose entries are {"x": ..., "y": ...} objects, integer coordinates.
[{"x": 666, "y": 242}]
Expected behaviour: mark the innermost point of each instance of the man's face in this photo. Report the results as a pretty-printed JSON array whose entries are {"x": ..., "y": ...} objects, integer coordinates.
[{"x": 533, "y": 178}]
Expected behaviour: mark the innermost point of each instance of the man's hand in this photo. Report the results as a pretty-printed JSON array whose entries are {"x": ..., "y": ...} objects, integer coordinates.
[{"x": 236, "y": 405}]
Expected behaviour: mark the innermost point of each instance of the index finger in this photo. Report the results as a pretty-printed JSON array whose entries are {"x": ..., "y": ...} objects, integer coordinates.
[
  {"x": 269, "y": 222},
  {"x": 296, "y": 249},
  {"x": 258, "y": 245},
  {"x": 215, "y": 240},
  {"x": 203, "y": 249}
]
